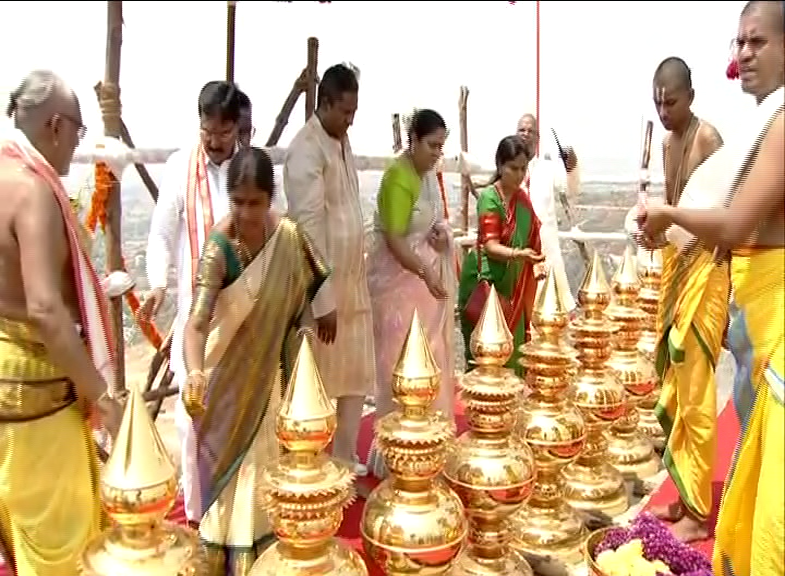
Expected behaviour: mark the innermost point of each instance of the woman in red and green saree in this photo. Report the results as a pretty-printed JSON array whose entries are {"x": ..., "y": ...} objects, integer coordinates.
[
  {"x": 508, "y": 255},
  {"x": 257, "y": 273}
]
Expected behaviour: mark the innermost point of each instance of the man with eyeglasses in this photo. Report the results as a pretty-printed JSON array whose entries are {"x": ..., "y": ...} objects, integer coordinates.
[
  {"x": 192, "y": 197},
  {"x": 546, "y": 179},
  {"x": 55, "y": 349}
]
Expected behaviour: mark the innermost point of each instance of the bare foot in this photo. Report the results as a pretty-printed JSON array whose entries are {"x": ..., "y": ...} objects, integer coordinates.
[
  {"x": 672, "y": 512},
  {"x": 362, "y": 489},
  {"x": 690, "y": 529}
]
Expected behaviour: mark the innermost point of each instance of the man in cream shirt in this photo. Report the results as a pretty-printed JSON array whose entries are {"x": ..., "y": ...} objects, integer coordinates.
[
  {"x": 183, "y": 217},
  {"x": 548, "y": 178}
]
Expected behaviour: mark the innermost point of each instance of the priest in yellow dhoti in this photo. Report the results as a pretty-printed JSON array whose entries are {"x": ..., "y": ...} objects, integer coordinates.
[
  {"x": 692, "y": 320},
  {"x": 55, "y": 342},
  {"x": 736, "y": 200}
]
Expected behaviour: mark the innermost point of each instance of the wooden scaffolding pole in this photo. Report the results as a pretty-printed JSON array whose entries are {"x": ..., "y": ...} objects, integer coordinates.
[
  {"x": 111, "y": 112},
  {"x": 466, "y": 181},
  {"x": 231, "y": 20},
  {"x": 311, "y": 77}
]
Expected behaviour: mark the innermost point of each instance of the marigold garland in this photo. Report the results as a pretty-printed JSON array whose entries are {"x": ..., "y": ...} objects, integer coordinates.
[{"x": 97, "y": 215}]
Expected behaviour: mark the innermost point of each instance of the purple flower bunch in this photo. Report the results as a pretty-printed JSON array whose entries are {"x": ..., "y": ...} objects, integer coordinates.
[{"x": 658, "y": 544}]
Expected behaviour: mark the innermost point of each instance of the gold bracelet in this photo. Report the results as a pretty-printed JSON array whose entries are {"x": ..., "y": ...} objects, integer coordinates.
[{"x": 195, "y": 373}]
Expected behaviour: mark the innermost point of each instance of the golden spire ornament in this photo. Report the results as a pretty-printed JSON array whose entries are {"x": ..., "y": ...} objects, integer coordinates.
[
  {"x": 138, "y": 489},
  {"x": 629, "y": 449},
  {"x": 307, "y": 492},
  {"x": 491, "y": 471},
  {"x": 548, "y": 527},
  {"x": 413, "y": 523},
  {"x": 649, "y": 273},
  {"x": 591, "y": 483}
]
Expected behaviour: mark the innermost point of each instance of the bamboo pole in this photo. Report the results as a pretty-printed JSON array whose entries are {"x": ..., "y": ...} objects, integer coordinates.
[
  {"x": 466, "y": 182},
  {"x": 396, "y": 128},
  {"x": 286, "y": 110},
  {"x": 231, "y": 22},
  {"x": 311, "y": 77},
  {"x": 112, "y": 116}
]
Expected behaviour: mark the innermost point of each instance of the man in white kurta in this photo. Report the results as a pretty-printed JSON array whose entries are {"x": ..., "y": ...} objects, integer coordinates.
[
  {"x": 322, "y": 192},
  {"x": 548, "y": 179},
  {"x": 192, "y": 197}
]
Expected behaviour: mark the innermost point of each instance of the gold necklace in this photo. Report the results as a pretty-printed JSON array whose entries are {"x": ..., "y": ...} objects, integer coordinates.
[{"x": 246, "y": 259}]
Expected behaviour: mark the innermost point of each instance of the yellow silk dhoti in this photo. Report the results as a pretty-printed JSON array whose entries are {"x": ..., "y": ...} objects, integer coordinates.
[
  {"x": 49, "y": 491},
  {"x": 750, "y": 533},
  {"x": 692, "y": 320}
]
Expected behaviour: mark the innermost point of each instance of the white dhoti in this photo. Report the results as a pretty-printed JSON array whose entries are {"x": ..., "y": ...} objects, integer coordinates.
[{"x": 189, "y": 474}]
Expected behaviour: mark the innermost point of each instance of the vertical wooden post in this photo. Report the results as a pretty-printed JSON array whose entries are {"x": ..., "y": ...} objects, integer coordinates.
[
  {"x": 231, "y": 20},
  {"x": 466, "y": 181},
  {"x": 311, "y": 77},
  {"x": 112, "y": 116},
  {"x": 396, "y": 128}
]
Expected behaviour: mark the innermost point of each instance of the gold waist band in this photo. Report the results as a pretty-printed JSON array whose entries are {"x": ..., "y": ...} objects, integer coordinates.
[
  {"x": 24, "y": 401},
  {"x": 31, "y": 386}
]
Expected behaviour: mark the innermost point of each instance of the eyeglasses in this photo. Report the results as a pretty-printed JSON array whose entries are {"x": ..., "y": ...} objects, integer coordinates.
[{"x": 219, "y": 134}]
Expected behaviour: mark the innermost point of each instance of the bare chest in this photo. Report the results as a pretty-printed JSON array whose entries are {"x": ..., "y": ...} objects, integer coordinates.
[{"x": 681, "y": 160}]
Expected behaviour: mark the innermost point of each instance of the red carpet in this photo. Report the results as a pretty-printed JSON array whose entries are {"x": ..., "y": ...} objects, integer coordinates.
[{"x": 728, "y": 430}]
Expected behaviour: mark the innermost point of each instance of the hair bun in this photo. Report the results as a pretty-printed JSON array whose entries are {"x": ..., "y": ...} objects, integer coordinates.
[{"x": 12, "y": 103}]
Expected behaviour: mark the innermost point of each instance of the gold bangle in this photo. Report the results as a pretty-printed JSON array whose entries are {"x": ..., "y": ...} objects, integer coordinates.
[{"x": 195, "y": 373}]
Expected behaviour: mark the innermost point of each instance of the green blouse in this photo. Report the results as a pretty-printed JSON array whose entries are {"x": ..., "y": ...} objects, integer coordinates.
[{"x": 398, "y": 195}]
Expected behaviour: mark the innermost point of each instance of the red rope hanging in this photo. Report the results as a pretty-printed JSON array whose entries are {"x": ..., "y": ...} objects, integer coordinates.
[
  {"x": 537, "y": 71},
  {"x": 97, "y": 215}
]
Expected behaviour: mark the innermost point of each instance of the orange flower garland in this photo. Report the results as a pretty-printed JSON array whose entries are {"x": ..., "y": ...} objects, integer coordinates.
[
  {"x": 103, "y": 186},
  {"x": 97, "y": 215}
]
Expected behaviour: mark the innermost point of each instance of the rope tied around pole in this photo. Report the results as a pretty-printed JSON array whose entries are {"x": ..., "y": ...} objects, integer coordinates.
[{"x": 111, "y": 109}]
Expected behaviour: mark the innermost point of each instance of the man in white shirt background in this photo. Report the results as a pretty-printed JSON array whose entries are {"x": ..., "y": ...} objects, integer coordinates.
[
  {"x": 548, "y": 178},
  {"x": 192, "y": 197}
]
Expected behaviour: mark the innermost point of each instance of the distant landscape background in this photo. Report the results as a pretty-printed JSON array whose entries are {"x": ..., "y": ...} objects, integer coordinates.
[{"x": 602, "y": 207}]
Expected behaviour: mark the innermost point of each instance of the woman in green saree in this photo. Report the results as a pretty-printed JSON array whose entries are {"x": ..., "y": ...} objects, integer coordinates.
[
  {"x": 257, "y": 273},
  {"x": 508, "y": 249}
]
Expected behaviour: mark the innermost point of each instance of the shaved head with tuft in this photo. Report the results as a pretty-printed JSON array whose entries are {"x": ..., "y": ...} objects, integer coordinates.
[
  {"x": 47, "y": 111},
  {"x": 674, "y": 72}
]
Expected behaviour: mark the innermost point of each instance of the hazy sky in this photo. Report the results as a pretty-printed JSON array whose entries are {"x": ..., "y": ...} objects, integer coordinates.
[{"x": 597, "y": 61}]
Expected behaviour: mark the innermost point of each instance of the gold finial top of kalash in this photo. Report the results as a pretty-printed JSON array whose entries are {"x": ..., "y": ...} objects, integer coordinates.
[
  {"x": 138, "y": 489},
  {"x": 547, "y": 356},
  {"x": 623, "y": 309},
  {"x": 413, "y": 523},
  {"x": 308, "y": 491},
  {"x": 650, "y": 274},
  {"x": 595, "y": 392},
  {"x": 491, "y": 471},
  {"x": 629, "y": 318}
]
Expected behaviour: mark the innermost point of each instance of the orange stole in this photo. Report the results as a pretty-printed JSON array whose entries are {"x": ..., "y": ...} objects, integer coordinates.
[{"x": 197, "y": 191}]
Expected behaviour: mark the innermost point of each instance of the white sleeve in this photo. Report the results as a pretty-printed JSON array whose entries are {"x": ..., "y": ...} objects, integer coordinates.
[
  {"x": 566, "y": 185},
  {"x": 166, "y": 223},
  {"x": 303, "y": 183}
]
